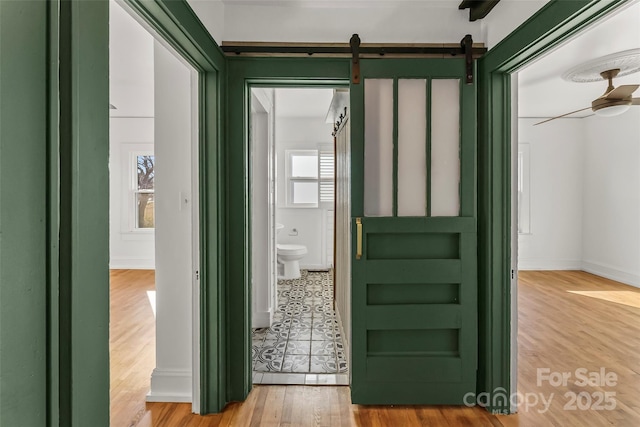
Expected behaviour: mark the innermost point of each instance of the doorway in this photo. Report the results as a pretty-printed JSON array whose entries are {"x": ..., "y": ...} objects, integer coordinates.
[
  {"x": 154, "y": 243},
  {"x": 567, "y": 227},
  {"x": 298, "y": 283}
]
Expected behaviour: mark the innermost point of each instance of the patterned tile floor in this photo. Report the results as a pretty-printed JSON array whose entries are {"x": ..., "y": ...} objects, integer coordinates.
[{"x": 305, "y": 336}]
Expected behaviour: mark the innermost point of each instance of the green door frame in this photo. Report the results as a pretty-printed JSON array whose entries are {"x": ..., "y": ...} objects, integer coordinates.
[
  {"x": 28, "y": 247},
  {"x": 178, "y": 25},
  {"x": 556, "y": 22},
  {"x": 54, "y": 251},
  {"x": 242, "y": 73},
  {"x": 54, "y": 311}
]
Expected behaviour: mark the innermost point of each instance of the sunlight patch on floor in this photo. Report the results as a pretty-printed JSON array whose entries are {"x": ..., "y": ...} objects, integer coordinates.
[
  {"x": 152, "y": 300},
  {"x": 630, "y": 298}
]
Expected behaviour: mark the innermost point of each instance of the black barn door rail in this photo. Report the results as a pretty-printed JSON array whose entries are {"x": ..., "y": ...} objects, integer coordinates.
[{"x": 344, "y": 49}]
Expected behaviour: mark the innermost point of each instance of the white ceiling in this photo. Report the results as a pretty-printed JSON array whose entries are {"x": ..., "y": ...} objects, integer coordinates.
[
  {"x": 331, "y": 4},
  {"x": 543, "y": 93},
  {"x": 303, "y": 102},
  {"x": 376, "y": 21}
]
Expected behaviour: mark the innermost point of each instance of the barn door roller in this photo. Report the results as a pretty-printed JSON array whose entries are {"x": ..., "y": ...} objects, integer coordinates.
[
  {"x": 355, "y": 58},
  {"x": 467, "y": 45}
]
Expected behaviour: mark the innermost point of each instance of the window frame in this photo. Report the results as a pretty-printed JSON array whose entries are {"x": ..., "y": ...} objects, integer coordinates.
[
  {"x": 291, "y": 180},
  {"x": 133, "y": 191}
]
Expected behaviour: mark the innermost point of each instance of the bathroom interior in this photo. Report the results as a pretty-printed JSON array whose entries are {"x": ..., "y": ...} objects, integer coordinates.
[{"x": 300, "y": 239}]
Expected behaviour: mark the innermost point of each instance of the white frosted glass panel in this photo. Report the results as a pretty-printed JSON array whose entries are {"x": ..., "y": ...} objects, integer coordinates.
[
  {"x": 378, "y": 147},
  {"x": 412, "y": 151},
  {"x": 445, "y": 147},
  {"x": 304, "y": 166},
  {"x": 305, "y": 193}
]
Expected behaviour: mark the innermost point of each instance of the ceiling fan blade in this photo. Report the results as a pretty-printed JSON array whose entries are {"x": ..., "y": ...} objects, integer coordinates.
[
  {"x": 635, "y": 101},
  {"x": 621, "y": 92},
  {"x": 558, "y": 117}
]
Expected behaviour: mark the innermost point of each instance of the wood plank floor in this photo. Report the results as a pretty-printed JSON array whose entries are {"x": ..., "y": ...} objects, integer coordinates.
[
  {"x": 132, "y": 343},
  {"x": 567, "y": 320}
]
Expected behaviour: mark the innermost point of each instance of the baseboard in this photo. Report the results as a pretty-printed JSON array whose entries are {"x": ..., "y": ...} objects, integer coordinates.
[
  {"x": 261, "y": 319},
  {"x": 170, "y": 386},
  {"x": 345, "y": 343},
  {"x": 549, "y": 264},
  {"x": 611, "y": 272},
  {"x": 132, "y": 263}
]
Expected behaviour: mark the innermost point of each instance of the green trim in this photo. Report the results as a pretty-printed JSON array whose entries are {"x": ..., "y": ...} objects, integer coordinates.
[
  {"x": 468, "y": 158},
  {"x": 394, "y": 176},
  {"x": 53, "y": 197},
  {"x": 428, "y": 148},
  {"x": 83, "y": 151},
  {"x": 24, "y": 258},
  {"x": 554, "y": 23},
  {"x": 357, "y": 115},
  {"x": 242, "y": 73},
  {"x": 176, "y": 22}
]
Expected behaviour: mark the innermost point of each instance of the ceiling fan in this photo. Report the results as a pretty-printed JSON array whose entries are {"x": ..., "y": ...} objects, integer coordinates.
[{"x": 614, "y": 101}]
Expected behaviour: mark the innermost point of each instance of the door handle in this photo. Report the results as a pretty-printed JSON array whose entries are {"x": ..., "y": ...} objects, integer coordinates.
[{"x": 358, "y": 238}]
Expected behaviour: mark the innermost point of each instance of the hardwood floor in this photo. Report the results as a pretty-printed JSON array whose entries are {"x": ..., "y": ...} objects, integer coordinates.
[
  {"x": 132, "y": 344},
  {"x": 567, "y": 320},
  {"x": 570, "y": 320}
]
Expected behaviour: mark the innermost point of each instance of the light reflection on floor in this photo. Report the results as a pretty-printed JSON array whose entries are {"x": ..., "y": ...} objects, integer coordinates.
[
  {"x": 151, "y": 295},
  {"x": 629, "y": 298}
]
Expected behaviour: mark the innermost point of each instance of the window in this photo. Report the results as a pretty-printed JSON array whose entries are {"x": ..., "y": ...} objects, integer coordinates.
[
  {"x": 143, "y": 191},
  {"x": 310, "y": 178}
]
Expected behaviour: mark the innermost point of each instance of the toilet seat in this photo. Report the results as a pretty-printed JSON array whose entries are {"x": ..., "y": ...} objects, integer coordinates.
[{"x": 291, "y": 249}]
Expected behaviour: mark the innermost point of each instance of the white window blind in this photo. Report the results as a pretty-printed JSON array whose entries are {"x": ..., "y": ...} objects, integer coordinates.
[{"x": 327, "y": 176}]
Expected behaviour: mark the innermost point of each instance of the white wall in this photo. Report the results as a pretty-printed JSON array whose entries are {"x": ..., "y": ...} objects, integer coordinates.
[
  {"x": 585, "y": 196},
  {"x": 343, "y": 233},
  {"x": 397, "y": 22},
  {"x": 505, "y": 17},
  {"x": 171, "y": 380},
  {"x": 211, "y": 13},
  {"x": 611, "y": 224},
  {"x": 128, "y": 249},
  {"x": 130, "y": 129},
  {"x": 556, "y": 150},
  {"x": 300, "y": 133},
  {"x": 375, "y": 21},
  {"x": 261, "y": 247}
]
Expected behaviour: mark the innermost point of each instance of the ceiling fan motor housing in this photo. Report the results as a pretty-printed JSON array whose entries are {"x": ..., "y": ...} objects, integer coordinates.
[{"x": 600, "y": 103}]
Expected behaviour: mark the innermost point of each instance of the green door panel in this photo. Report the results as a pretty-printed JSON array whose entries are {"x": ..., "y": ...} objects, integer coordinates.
[{"x": 414, "y": 288}]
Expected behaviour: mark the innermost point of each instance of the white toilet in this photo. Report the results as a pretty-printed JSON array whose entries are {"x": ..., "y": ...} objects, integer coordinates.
[{"x": 289, "y": 257}]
